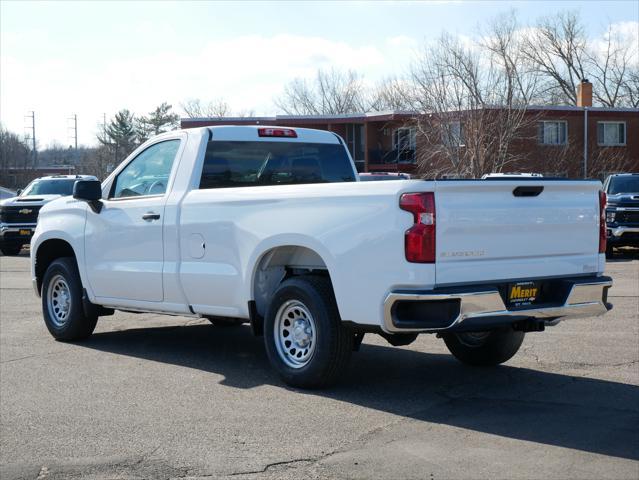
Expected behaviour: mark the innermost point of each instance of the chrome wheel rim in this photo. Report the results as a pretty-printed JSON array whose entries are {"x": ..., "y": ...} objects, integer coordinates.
[
  {"x": 473, "y": 339},
  {"x": 295, "y": 334},
  {"x": 59, "y": 300}
]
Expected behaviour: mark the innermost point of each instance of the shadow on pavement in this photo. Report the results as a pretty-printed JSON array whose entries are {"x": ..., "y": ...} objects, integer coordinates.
[
  {"x": 624, "y": 255},
  {"x": 586, "y": 414}
]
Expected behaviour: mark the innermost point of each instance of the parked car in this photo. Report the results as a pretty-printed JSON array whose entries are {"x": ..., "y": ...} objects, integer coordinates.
[
  {"x": 6, "y": 193},
  {"x": 622, "y": 211},
  {"x": 272, "y": 226},
  {"x": 376, "y": 176},
  {"x": 19, "y": 214}
]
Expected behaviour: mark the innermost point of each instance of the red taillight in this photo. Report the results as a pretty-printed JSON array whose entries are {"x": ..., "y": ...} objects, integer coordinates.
[
  {"x": 602, "y": 221},
  {"x": 419, "y": 240},
  {"x": 277, "y": 132}
]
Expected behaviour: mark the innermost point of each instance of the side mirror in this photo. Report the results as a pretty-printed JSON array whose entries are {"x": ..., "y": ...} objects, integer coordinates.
[
  {"x": 89, "y": 191},
  {"x": 18, "y": 192}
]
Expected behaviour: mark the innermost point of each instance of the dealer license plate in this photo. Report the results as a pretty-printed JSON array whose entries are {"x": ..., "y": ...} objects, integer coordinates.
[{"x": 523, "y": 293}]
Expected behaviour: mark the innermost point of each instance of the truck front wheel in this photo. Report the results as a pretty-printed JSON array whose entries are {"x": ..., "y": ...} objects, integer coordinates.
[
  {"x": 484, "y": 348},
  {"x": 305, "y": 339},
  {"x": 62, "y": 308}
]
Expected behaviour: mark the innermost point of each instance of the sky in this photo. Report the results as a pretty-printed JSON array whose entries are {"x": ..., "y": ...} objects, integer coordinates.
[{"x": 94, "y": 58}]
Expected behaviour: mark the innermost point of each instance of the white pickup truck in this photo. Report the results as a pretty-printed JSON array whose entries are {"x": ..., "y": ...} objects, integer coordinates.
[{"x": 271, "y": 226}]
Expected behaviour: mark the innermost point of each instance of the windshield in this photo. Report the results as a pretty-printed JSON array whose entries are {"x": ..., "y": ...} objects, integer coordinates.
[
  {"x": 49, "y": 187},
  {"x": 628, "y": 184}
]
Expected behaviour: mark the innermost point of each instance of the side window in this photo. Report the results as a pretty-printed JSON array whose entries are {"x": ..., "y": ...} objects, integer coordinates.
[{"x": 148, "y": 173}]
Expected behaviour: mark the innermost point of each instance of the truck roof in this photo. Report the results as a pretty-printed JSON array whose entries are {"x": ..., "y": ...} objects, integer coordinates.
[
  {"x": 270, "y": 133},
  {"x": 65, "y": 177}
]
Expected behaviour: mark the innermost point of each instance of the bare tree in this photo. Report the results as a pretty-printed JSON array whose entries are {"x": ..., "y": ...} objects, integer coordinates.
[
  {"x": 195, "y": 108},
  {"x": 473, "y": 103},
  {"x": 601, "y": 161},
  {"x": 331, "y": 92},
  {"x": 630, "y": 87},
  {"x": 14, "y": 156},
  {"x": 391, "y": 93},
  {"x": 614, "y": 69},
  {"x": 557, "y": 47}
]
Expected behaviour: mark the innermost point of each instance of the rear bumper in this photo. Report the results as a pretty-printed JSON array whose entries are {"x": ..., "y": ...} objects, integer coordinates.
[{"x": 484, "y": 307}]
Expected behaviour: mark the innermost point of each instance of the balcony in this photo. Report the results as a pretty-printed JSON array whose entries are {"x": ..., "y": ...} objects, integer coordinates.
[{"x": 392, "y": 160}]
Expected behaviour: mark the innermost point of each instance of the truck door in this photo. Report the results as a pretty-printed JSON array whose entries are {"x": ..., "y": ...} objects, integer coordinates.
[{"x": 123, "y": 242}]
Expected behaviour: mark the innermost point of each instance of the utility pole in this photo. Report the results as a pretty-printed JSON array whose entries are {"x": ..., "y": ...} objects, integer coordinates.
[
  {"x": 34, "y": 151},
  {"x": 74, "y": 127},
  {"x": 74, "y": 137}
]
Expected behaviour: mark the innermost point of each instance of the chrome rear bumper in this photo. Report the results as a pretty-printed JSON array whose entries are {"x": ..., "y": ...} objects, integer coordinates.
[{"x": 584, "y": 299}]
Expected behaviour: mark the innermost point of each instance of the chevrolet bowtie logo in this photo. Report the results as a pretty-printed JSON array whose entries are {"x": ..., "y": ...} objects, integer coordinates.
[{"x": 25, "y": 211}]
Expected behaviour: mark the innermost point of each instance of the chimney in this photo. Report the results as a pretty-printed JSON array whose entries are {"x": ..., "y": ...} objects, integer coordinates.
[{"x": 584, "y": 93}]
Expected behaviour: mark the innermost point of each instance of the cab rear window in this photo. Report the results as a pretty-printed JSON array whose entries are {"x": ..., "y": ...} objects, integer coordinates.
[{"x": 248, "y": 164}]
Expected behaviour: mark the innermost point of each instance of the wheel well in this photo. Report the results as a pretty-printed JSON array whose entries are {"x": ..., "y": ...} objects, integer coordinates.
[
  {"x": 49, "y": 251},
  {"x": 280, "y": 263}
]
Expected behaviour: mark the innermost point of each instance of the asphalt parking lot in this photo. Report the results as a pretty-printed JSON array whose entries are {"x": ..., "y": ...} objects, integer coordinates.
[{"x": 169, "y": 397}]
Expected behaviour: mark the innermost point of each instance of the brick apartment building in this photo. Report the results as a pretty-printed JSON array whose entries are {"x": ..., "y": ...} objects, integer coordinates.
[{"x": 387, "y": 141}]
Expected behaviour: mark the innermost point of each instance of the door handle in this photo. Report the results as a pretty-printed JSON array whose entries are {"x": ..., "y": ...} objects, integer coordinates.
[
  {"x": 528, "y": 191},
  {"x": 151, "y": 216}
]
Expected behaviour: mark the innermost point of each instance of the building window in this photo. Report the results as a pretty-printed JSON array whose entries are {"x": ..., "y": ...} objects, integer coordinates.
[
  {"x": 553, "y": 133},
  {"x": 355, "y": 141},
  {"x": 452, "y": 134},
  {"x": 611, "y": 133},
  {"x": 404, "y": 139}
]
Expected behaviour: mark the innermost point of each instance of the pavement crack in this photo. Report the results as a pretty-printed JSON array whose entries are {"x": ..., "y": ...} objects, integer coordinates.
[
  {"x": 280, "y": 463},
  {"x": 33, "y": 356},
  {"x": 146, "y": 455},
  {"x": 595, "y": 365}
]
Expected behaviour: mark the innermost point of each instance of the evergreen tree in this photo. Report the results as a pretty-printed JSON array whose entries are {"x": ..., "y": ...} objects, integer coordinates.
[
  {"x": 158, "y": 121},
  {"x": 120, "y": 134}
]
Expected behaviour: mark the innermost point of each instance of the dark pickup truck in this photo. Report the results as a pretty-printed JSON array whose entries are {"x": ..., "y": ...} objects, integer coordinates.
[{"x": 622, "y": 211}]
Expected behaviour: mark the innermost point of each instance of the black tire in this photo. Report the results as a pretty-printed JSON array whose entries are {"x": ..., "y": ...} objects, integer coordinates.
[
  {"x": 332, "y": 341},
  {"x": 610, "y": 251},
  {"x": 486, "y": 349},
  {"x": 10, "y": 250},
  {"x": 75, "y": 325}
]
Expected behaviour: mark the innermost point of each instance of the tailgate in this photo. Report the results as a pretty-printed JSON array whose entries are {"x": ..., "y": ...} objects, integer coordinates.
[{"x": 486, "y": 230}]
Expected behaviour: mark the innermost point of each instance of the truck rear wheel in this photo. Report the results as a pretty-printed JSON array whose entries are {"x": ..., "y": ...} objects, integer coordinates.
[
  {"x": 62, "y": 307},
  {"x": 484, "y": 348},
  {"x": 305, "y": 339}
]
